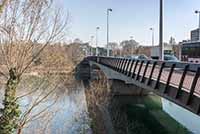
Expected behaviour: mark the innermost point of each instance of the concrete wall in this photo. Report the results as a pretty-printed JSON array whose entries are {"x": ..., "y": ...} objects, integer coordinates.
[
  {"x": 183, "y": 116},
  {"x": 121, "y": 88}
]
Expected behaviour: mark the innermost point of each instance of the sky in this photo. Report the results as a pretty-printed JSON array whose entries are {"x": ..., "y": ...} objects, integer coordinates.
[{"x": 130, "y": 18}]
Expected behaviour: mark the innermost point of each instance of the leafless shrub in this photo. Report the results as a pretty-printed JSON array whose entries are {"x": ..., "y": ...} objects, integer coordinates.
[{"x": 98, "y": 98}]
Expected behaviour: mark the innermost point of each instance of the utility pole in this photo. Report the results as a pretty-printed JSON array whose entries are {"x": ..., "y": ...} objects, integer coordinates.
[{"x": 161, "y": 32}]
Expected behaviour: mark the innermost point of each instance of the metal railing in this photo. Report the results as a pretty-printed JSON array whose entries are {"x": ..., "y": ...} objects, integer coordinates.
[{"x": 176, "y": 81}]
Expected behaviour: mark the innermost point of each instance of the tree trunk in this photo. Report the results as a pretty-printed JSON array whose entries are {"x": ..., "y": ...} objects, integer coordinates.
[
  {"x": 19, "y": 131},
  {"x": 11, "y": 111}
]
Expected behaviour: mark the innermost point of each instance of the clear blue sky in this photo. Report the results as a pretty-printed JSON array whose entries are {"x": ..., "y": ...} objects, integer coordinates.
[{"x": 131, "y": 18}]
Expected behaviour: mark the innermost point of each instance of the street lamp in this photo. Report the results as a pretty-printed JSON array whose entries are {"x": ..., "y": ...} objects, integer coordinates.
[
  {"x": 91, "y": 44},
  {"x": 198, "y": 12},
  {"x": 108, "y": 10},
  {"x": 161, "y": 31},
  {"x": 152, "y": 29},
  {"x": 97, "y": 29},
  {"x": 131, "y": 37}
]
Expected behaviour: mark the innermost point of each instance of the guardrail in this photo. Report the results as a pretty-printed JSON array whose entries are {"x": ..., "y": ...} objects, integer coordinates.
[{"x": 179, "y": 82}]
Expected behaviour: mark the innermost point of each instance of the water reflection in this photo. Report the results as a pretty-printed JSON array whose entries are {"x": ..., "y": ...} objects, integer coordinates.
[{"x": 66, "y": 114}]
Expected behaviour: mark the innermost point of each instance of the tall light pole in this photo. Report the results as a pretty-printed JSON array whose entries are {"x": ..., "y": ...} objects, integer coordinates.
[
  {"x": 152, "y": 30},
  {"x": 198, "y": 12},
  {"x": 91, "y": 44},
  {"x": 108, "y": 10},
  {"x": 161, "y": 31},
  {"x": 131, "y": 37},
  {"x": 97, "y": 52}
]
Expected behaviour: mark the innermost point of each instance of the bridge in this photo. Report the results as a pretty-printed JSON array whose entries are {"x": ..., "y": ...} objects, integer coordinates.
[
  {"x": 174, "y": 81},
  {"x": 177, "y": 83}
]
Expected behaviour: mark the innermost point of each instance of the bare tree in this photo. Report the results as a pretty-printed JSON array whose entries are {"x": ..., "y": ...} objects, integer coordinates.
[
  {"x": 98, "y": 97},
  {"x": 37, "y": 108},
  {"x": 27, "y": 27},
  {"x": 129, "y": 47},
  {"x": 75, "y": 52},
  {"x": 114, "y": 48}
]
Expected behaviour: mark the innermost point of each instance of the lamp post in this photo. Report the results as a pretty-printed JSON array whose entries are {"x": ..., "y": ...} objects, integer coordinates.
[
  {"x": 131, "y": 37},
  {"x": 108, "y": 10},
  {"x": 97, "y": 52},
  {"x": 198, "y": 12},
  {"x": 161, "y": 31},
  {"x": 152, "y": 30},
  {"x": 91, "y": 44}
]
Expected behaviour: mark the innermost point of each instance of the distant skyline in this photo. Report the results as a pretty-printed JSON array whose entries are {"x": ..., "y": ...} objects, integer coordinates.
[{"x": 131, "y": 18}]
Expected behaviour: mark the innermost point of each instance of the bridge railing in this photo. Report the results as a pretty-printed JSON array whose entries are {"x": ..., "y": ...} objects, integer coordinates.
[{"x": 177, "y": 80}]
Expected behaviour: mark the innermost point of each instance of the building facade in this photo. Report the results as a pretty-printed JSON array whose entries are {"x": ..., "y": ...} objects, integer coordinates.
[
  {"x": 191, "y": 52},
  {"x": 191, "y": 48},
  {"x": 194, "y": 35}
]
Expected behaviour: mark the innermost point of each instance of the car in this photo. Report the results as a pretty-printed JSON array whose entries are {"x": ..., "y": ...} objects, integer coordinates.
[
  {"x": 142, "y": 57},
  {"x": 171, "y": 58},
  {"x": 138, "y": 57},
  {"x": 131, "y": 56}
]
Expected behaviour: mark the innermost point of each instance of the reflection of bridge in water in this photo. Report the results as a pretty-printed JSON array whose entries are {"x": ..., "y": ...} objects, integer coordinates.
[{"x": 176, "y": 82}]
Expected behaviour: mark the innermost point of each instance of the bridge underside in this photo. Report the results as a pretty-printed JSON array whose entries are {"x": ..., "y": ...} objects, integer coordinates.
[{"x": 120, "y": 84}]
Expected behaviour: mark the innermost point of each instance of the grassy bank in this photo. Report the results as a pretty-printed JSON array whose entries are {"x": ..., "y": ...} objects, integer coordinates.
[{"x": 149, "y": 118}]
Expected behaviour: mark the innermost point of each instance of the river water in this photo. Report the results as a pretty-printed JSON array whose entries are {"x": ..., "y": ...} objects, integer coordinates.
[{"x": 66, "y": 115}]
